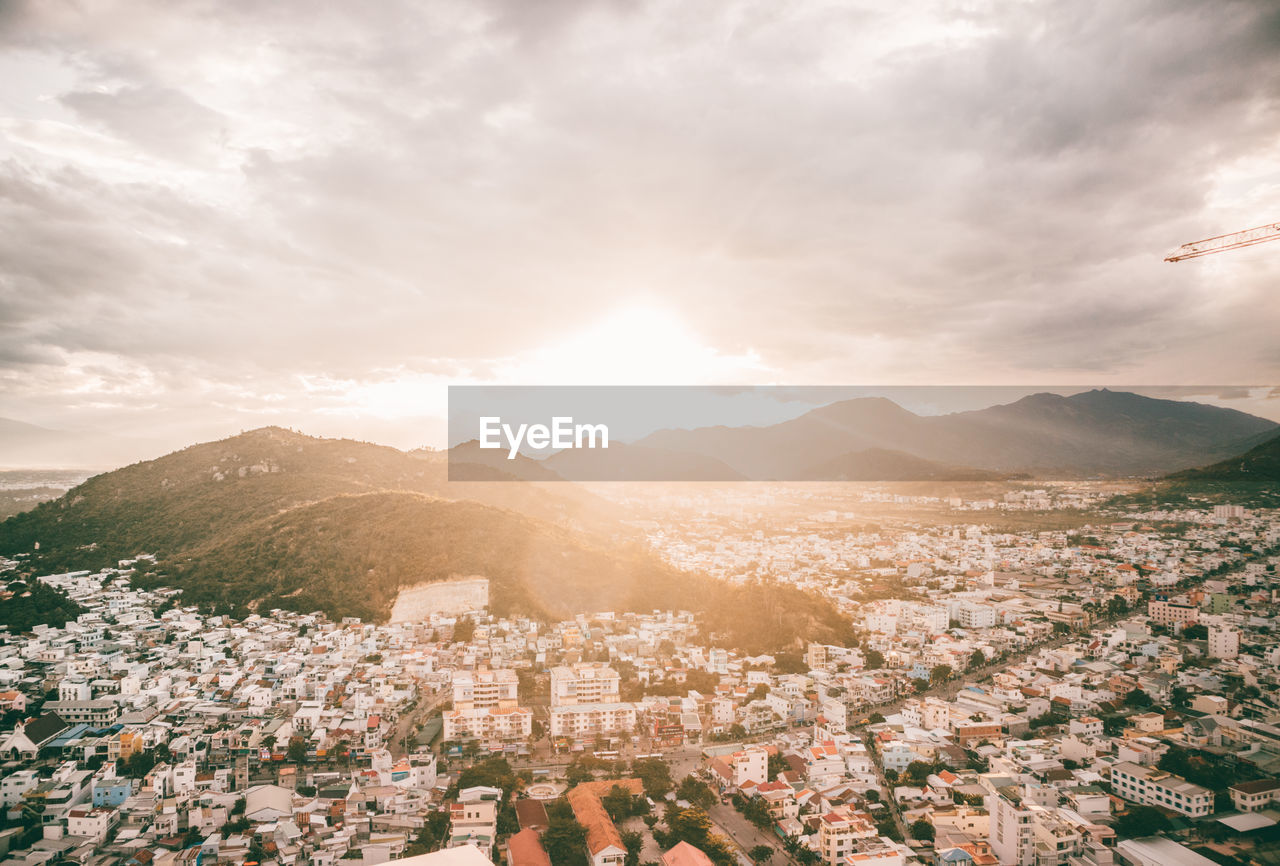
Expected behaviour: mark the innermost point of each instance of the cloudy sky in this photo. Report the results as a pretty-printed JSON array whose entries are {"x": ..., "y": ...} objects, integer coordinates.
[{"x": 219, "y": 215}]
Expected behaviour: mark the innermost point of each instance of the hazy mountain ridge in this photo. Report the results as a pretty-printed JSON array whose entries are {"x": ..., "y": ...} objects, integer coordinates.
[
  {"x": 30, "y": 446},
  {"x": 1097, "y": 432}
]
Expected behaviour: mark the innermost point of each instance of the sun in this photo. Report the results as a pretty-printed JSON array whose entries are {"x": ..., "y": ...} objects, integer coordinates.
[{"x": 633, "y": 345}]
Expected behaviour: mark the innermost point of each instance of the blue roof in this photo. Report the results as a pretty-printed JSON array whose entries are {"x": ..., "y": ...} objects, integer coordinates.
[{"x": 74, "y": 732}]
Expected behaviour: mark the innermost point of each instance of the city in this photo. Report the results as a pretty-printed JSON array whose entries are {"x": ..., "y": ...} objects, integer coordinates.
[{"x": 1038, "y": 698}]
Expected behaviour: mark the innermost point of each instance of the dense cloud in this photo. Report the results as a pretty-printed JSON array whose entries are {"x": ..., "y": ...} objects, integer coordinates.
[{"x": 227, "y": 214}]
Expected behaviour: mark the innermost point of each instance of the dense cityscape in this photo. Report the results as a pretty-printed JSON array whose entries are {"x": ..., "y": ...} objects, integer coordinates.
[{"x": 1036, "y": 697}]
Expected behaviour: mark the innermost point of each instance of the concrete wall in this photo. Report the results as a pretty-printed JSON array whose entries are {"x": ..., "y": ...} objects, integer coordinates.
[{"x": 456, "y": 595}]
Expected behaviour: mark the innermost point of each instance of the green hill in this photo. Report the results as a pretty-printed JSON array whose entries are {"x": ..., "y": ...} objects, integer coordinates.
[
  {"x": 1253, "y": 475},
  {"x": 273, "y": 519},
  {"x": 1251, "y": 478},
  {"x": 182, "y": 499}
]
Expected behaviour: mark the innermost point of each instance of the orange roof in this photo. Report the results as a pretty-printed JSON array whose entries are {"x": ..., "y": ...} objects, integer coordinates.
[
  {"x": 684, "y": 854},
  {"x": 525, "y": 849},
  {"x": 591, "y": 814}
]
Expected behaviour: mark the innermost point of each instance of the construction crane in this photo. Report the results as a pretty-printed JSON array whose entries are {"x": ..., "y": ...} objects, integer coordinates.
[{"x": 1222, "y": 243}]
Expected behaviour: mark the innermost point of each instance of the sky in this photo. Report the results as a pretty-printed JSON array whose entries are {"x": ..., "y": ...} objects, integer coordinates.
[{"x": 220, "y": 215}]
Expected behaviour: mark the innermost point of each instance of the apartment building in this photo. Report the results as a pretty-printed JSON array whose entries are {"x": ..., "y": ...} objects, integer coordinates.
[
  {"x": 1255, "y": 795},
  {"x": 1152, "y": 787},
  {"x": 1168, "y": 612},
  {"x": 587, "y": 720},
  {"x": 584, "y": 684},
  {"x": 489, "y": 723},
  {"x": 1013, "y": 829},
  {"x": 485, "y": 688},
  {"x": 1224, "y": 642},
  {"x": 839, "y": 832}
]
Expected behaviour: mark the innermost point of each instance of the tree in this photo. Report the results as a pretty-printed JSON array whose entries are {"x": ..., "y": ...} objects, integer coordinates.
[
  {"x": 874, "y": 659},
  {"x": 139, "y": 764},
  {"x": 1140, "y": 821},
  {"x": 789, "y": 663},
  {"x": 755, "y": 811},
  {"x": 463, "y": 630},
  {"x": 565, "y": 841},
  {"x": 977, "y": 660},
  {"x": 922, "y": 830},
  {"x": 1114, "y": 725},
  {"x": 433, "y": 832},
  {"x": 736, "y": 731},
  {"x": 634, "y": 843},
  {"x": 1137, "y": 698},
  {"x": 940, "y": 674},
  {"x": 576, "y": 774},
  {"x": 697, "y": 792},
  {"x": 693, "y": 826},
  {"x": 655, "y": 774},
  {"x": 761, "y": 853},
  {"x": 918, "y": 771},
  {"x": 617, "y": 803},
  {"x": 491, "y": 773},
  {"x": 508, "y": 822},
  {"x": 1045, "y": 720},
  {"x": 777, "y": 764},
  {"x": 297, "y": 752}
]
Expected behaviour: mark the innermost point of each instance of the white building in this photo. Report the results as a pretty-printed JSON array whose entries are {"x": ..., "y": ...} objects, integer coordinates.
[
  {"x": 587, "y": 720},
  {"x": 1013, "y": 830},
  {"x": 584, "y": 684},
  {"x": 485, "y": 707},
  {"x": 91, "y": 823},
  {"x": 1152, "y": 787},
  {"x": 1224, "y": 641},
  {"x": 485, "y": 723},
  {"x": 976, "y": 616}
]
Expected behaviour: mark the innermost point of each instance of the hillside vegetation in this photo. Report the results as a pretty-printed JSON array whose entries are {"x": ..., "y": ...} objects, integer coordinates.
[
  {"x": 1252, "y": 478},
  {"x": 186, "y": 498},
  {"x": 274, "y": 519}
]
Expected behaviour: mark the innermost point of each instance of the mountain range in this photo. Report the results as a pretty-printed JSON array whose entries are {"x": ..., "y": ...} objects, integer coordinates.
[{"x": 1099, "y": 432}]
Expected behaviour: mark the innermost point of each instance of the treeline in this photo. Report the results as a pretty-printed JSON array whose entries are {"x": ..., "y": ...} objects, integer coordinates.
[{"x": 34, "y": 603}]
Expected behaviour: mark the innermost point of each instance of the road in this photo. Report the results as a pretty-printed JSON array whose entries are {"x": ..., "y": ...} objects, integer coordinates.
[
  {"x": 730, "y": 823},
  {"x": 890, "y": 801},
  {"x": 406, "y": 724}
]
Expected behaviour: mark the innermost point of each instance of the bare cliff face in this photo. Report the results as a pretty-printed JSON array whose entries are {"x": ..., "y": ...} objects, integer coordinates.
[{"x": 417, "y": 602}]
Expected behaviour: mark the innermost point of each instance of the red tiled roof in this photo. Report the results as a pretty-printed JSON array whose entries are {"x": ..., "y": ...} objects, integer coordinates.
[
  {"x": 525, "y": 849},
  {"x": 684, "y": 854}
]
